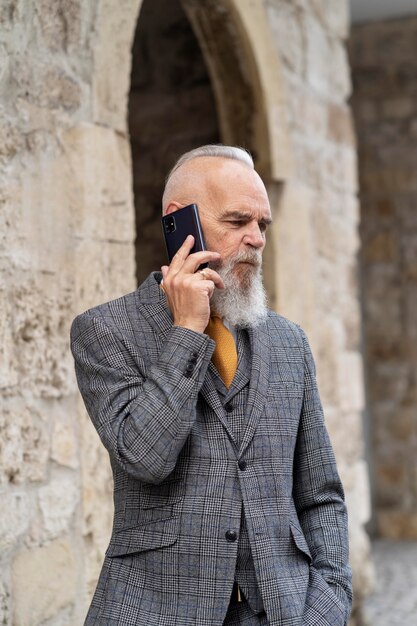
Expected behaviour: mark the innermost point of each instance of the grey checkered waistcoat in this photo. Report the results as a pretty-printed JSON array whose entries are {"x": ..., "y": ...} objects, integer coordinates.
[{"x": 179, "y": 479}]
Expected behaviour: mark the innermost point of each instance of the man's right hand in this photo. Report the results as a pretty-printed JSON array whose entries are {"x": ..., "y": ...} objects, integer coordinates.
[{"x": 189, "y": 291}]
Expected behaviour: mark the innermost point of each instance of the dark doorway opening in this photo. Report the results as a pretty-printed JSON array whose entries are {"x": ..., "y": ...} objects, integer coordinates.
[{"x": 171, "y": 110}]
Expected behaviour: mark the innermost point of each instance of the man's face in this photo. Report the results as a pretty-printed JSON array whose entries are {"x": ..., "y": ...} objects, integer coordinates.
[{"x": 235, "y": 213}]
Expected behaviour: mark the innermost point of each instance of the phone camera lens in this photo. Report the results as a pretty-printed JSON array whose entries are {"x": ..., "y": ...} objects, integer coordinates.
[{"x": 169, "y": 224}]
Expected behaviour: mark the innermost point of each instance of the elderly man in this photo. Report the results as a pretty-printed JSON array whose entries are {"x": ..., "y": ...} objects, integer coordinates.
[{"x": 228, "y": 505}]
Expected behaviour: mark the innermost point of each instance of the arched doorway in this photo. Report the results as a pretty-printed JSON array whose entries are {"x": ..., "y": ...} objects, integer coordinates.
[
  {"x": 171, "y": 110},
  {"x": 193, "y": 81}
]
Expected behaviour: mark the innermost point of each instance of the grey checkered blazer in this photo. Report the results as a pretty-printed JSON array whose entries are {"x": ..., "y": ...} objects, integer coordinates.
[{"x": 178, "y": 483}]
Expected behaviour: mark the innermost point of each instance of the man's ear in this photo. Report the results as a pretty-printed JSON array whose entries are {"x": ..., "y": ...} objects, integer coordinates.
[{"x": 172, "y": 207}]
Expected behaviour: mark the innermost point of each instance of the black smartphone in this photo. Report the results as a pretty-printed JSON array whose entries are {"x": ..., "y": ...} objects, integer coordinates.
[{"x": 178, "y": 225}]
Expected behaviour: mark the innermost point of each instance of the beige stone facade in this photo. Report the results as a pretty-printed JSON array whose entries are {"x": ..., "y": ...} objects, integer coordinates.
[
  {"x": 384, "y": 64},
  {"x": 277, "y": 76}
]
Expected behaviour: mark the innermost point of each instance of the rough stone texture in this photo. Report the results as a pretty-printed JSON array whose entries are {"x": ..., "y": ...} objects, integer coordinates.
[
  {"x": 385, "y": 80},
  {"x": 5, "y": 601},
  {"x": 44, "y": 582},
  {"x": 67, "y": 231},
  {"x": 317, "y": 238},
  {"x": 66, "y": 243}
]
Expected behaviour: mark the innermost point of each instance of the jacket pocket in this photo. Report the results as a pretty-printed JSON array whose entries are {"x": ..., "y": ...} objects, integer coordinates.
[
  {"x": 146, "y": 535},
  {"x": 300, "y": 541}
]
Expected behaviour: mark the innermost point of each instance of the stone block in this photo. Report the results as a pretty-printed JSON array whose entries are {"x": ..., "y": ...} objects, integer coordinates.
[
  {"x": 308, "y": 113},
  {"x": 346, "y": 433},
  {"x": 97, "y": 486},
  {"x": 356, "y": 481},
  {"x": 24, "y": 443},
  {"x": 338, "y": 74},
  {"x": 409, "y": 255},
  {"x": 339, "y": 168},
  {"x": 15, "y": 516},
  {"x": 115, "y": 25},
  {"x": 327, "y": 66},
  {"x": 11, "y": 141},
  {"x": 58, "y": 502},
  {"x": 340, "y": 124},
  {"x": 330, "y": 339},
  {"x": 334, "y": 16},
  {"x": 285, "y": 23},
  {"x": 391, "y": 476},
  {"x": 382, "y": 248},
  {"x": 397, "y": 524},
  {"x": 44, "y": 582},
  {"x": 5, "y": 602},
  {"x": 350, "y": 381},
  {"x": 40, "y": 328},
  {"x": 47, "y": 85},
  {"x": 400, "y": 107},
  {"x": 100, "y": 201},
  {"x": 318, "y": 51},
  {"x": 64, "y": 447},
  {"x": 292, "y": 234},
  {"x": 60, "y": 23}
]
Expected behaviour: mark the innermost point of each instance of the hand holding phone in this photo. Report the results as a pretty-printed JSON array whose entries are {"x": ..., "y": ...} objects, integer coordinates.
[
  {"x": 187, "y": 289},
  {"x": 178, "y": 225}
]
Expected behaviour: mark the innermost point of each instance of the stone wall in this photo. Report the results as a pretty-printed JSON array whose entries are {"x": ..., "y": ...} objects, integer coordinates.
[
  {"x": 66, "y": 224},
  {"x": 384, "y": 63},
  {"x": 67, "y": 228},
  {"x": 317, "y": 238}
]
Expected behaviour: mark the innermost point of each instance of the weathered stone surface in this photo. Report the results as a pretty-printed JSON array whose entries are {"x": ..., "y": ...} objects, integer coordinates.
[
  {"x": 58, "y": 502},
  {"x": 286, "y": 22},
  {"x": 110, "y": 79},
  {"x": 24, "y": 443},
  {"x": 334, "y": 16},
  {"x": 327, "y": 67},
  {"x": 97, "y": 487},
  {"x": 5, "y": 602},
  {"x": 44, "y": 582},
  {"x": 60, "y": 23},
  {"x": 15, "y": 515},
  {"x": 67, "y": 230},
  {"x": 64, "y": 446},
  {"x": 40, "y": 346},
  {"x": 385, "y": 71}
]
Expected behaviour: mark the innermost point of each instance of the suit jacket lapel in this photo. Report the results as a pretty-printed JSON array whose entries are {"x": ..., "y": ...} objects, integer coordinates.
[{"x": 259, "y": 380}]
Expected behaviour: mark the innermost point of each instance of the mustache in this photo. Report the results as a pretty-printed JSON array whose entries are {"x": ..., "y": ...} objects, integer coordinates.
[{"x": 252, "y": 257}]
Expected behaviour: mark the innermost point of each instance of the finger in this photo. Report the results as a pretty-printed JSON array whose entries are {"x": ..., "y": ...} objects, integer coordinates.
[
  {"x": 193, "y": 261},
  {"x": 181, "y": 254},
  {"x": 208, "y": 274}
]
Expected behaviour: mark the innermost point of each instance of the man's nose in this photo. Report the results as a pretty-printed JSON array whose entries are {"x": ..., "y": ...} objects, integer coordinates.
[{"x": 254, "y": 236}]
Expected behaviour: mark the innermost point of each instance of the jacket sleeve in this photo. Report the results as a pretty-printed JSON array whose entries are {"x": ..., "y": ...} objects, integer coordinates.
[
  {"x": 142, "y": 417},
  {"x": 319, "y": 500}
]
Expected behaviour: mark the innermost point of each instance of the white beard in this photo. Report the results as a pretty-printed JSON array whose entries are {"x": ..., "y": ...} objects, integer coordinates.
[{"x": 241, "y": 303}]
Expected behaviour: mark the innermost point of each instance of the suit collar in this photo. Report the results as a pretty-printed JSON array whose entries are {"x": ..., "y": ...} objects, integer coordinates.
[{"x": 259, "y": 380}]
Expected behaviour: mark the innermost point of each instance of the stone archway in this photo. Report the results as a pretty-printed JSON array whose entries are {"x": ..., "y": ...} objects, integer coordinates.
[
  {"x": 171, "y": 110},
  {"x": 216, "y": 80}
]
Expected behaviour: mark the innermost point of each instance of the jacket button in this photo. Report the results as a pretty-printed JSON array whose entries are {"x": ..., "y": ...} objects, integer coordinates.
[
  {"x": 228, "y": 407},
  {"x": 231, "y": 535},
  {"x": 242, "y": 465}
]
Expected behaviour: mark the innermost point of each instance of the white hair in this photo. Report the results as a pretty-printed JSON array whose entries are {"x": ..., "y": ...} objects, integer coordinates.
[{"x": 211, "y": 150}]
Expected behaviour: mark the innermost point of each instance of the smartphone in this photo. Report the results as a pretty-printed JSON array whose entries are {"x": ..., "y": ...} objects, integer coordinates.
[{"x": 178, "y": 225}]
